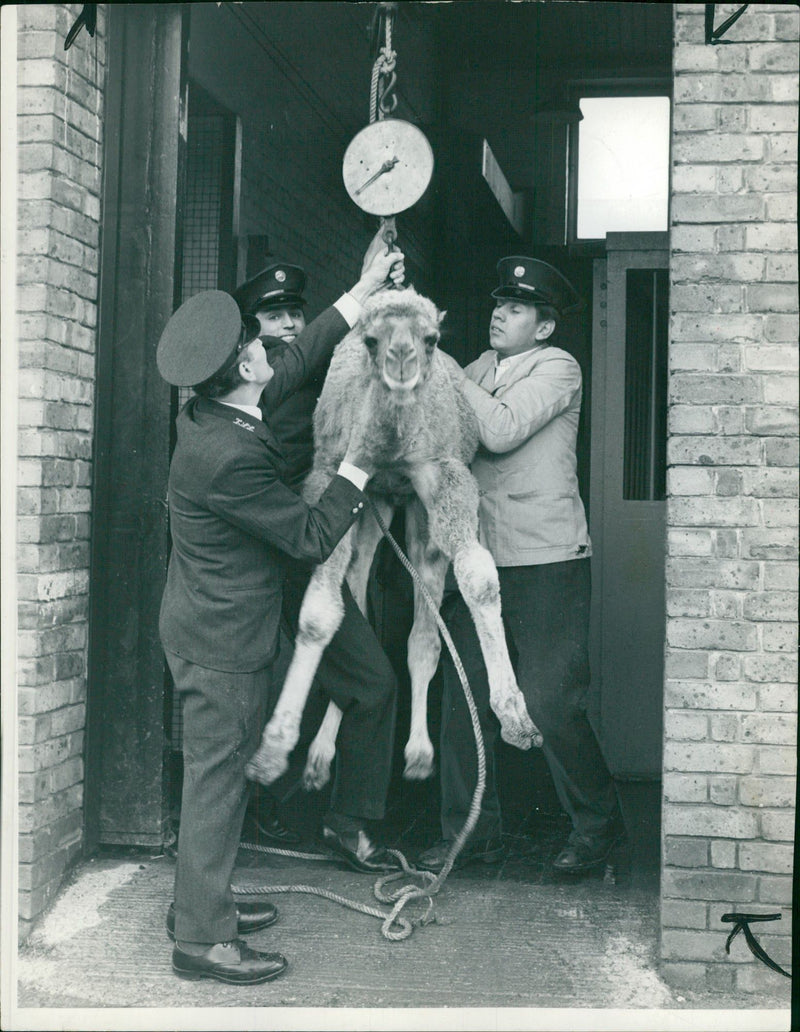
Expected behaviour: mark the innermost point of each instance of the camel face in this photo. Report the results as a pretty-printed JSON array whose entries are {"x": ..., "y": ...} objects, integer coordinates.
[{"x": 401, "y": 340}]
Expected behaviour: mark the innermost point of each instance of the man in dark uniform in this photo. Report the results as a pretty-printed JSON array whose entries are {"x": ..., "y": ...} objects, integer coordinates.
[
  {"x": 275, "y": 297},
  {"x": 354, "y": 657},
  {"x": 526, "y": 395},
  {"x": 232, "y": 523}
]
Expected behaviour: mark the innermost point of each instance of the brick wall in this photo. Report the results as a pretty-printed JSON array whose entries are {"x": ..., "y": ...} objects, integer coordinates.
[
  {"x": 60, "y": 110},
  {"x": 730, "y": 693}
]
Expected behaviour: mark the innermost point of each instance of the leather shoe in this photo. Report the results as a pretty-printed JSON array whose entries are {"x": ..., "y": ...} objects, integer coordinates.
[
  {"x": 251, "y": 917},
  {"x": 583, "y": 856},
  {"x": 487, "y": 851},
  {"x": 360, "y": 853},
  {"x": 268, "y": 828},
  {"x": 232, "y": 962}
]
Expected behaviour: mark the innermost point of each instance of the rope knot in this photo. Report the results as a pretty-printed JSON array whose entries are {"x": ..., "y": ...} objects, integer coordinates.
[{"x": 388, "y": 60}]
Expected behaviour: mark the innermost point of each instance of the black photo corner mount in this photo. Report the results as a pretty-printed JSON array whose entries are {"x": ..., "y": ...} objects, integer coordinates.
[
  {"x": 714, "y": 36},
  {"x": 87, "y": 17},
  {"x": 741, "y": 923}
]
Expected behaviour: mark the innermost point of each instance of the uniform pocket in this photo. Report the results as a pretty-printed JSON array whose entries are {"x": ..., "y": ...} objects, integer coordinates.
[{"x": 535, "y": 521}]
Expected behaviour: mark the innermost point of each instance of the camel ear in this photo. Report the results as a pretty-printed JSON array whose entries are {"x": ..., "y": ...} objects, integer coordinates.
[{"x": 442, "y": 314}]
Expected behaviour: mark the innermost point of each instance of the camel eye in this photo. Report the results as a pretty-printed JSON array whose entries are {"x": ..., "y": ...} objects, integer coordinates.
[
  {"x": 431, "y": 340},
  {"x": 371, "y": 342}
]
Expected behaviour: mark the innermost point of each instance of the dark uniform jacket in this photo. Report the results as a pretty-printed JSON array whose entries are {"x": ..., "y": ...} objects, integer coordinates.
[
  {"x": 290, "y": 418},
  {"x": 233, "y": 522},
  {"x": 291, "y": 422}
]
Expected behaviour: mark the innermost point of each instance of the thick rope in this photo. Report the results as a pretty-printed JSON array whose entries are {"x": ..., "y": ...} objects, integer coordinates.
[
  {"x": 477, "y": 797},
  {"x": 383, "y": 68},
  {"x": 396, "y": 927}
]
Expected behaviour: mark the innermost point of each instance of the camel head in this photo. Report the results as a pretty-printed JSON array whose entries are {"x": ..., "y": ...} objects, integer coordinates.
[{"x": 400, "y": 330}]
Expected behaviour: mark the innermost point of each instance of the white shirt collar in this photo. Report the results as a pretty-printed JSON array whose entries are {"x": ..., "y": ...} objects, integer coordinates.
[
  {"x": 251, "y": 410},
  {"x": 503, "y": 365}
]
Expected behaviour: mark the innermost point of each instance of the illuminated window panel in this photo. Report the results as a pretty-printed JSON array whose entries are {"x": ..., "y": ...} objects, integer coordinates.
[{"x": 623, "y": 165}]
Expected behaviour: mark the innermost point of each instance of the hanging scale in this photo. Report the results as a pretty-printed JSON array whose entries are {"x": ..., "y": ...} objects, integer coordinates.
[{"x": 388, "y": 165}]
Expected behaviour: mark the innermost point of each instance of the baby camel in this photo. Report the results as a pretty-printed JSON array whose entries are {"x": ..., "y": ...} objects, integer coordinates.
[{"x": 419, "y": 435}]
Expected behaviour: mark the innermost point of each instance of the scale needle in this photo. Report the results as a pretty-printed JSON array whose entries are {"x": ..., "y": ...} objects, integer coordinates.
[{"x": 387, "y": 166}]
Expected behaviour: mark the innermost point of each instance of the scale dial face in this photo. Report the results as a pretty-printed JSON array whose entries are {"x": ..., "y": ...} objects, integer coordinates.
[{"x": 387, "y": 166}]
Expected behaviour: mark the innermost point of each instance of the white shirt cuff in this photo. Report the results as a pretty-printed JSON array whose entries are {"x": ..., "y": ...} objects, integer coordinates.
[
  {"x": 353, "y": 474},
  {"x": 348, "y": 308}
]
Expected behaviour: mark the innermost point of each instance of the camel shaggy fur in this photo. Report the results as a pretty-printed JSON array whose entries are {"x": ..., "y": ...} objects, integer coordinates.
[{"x": 387, "y": 375}]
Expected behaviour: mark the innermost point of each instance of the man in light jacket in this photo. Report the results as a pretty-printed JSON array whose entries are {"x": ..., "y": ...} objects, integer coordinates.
[{"x": 526, "y": 395}]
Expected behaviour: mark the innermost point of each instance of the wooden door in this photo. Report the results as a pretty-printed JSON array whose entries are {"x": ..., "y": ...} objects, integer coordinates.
[
  {"x": 628, "y": 487},
  {"x": 126, "y": 783}
]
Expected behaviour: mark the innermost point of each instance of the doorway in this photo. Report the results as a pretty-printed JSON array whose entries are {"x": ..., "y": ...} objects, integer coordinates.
[
  {"x": 628, "y": 491},
  {"x": 492, "y": 72}
]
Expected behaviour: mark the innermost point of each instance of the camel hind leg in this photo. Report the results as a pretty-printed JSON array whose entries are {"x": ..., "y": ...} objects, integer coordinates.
[
  {"x": 320, "y": 615},
  {"x": 424, "y": 643},
  {"x": 451, "y": 500},
  {"x": 317, "y": 770},
  {"x": 479, "y": 584}
]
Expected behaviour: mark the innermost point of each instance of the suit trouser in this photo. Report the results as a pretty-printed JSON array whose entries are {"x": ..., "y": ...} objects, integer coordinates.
[
  {"x": 356, "y": 674},
  {"x": 546, "y": 618},
  {"x": 222, "y": 722}
]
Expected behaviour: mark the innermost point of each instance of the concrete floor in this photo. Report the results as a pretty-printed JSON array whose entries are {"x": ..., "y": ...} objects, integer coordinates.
[{"x": 508, "y": 940}]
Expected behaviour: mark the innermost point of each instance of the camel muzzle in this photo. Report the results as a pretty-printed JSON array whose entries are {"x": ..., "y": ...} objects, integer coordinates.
[{"x": 401, "y": 367}]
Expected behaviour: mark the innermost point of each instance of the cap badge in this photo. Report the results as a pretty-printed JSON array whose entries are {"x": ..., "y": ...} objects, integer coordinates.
[
  {"x": 280, "y": 275},
  {"x": 519, "y": 271}
]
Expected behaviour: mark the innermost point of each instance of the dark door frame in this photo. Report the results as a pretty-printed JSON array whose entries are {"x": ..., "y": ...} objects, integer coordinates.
[{"x": 145, "y": 126}]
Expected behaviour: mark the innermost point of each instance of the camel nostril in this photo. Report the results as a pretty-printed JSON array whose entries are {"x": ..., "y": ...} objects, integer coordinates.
[
  {"x": 401, "y": 352},
  {"x": 402, "y": 363}
]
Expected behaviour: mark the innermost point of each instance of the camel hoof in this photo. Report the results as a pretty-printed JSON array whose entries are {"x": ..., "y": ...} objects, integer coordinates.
[
  {"x": 265, "y": 767},
  {"x": 418, "y": 767},
  {"x": 516, "y": 726},
  {"x": 518, "y": 729},
  {"x": 515, "y": 736},
  {"x": 271, "y": 758},
  {"x": 317, "y": 773}
]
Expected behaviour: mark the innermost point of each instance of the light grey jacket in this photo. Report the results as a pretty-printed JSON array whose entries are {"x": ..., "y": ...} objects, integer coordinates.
[{"x": 530, "y": 509}]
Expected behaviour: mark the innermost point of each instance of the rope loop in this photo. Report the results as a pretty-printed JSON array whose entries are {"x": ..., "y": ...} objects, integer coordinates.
[{"x": 382, "y": 99}]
